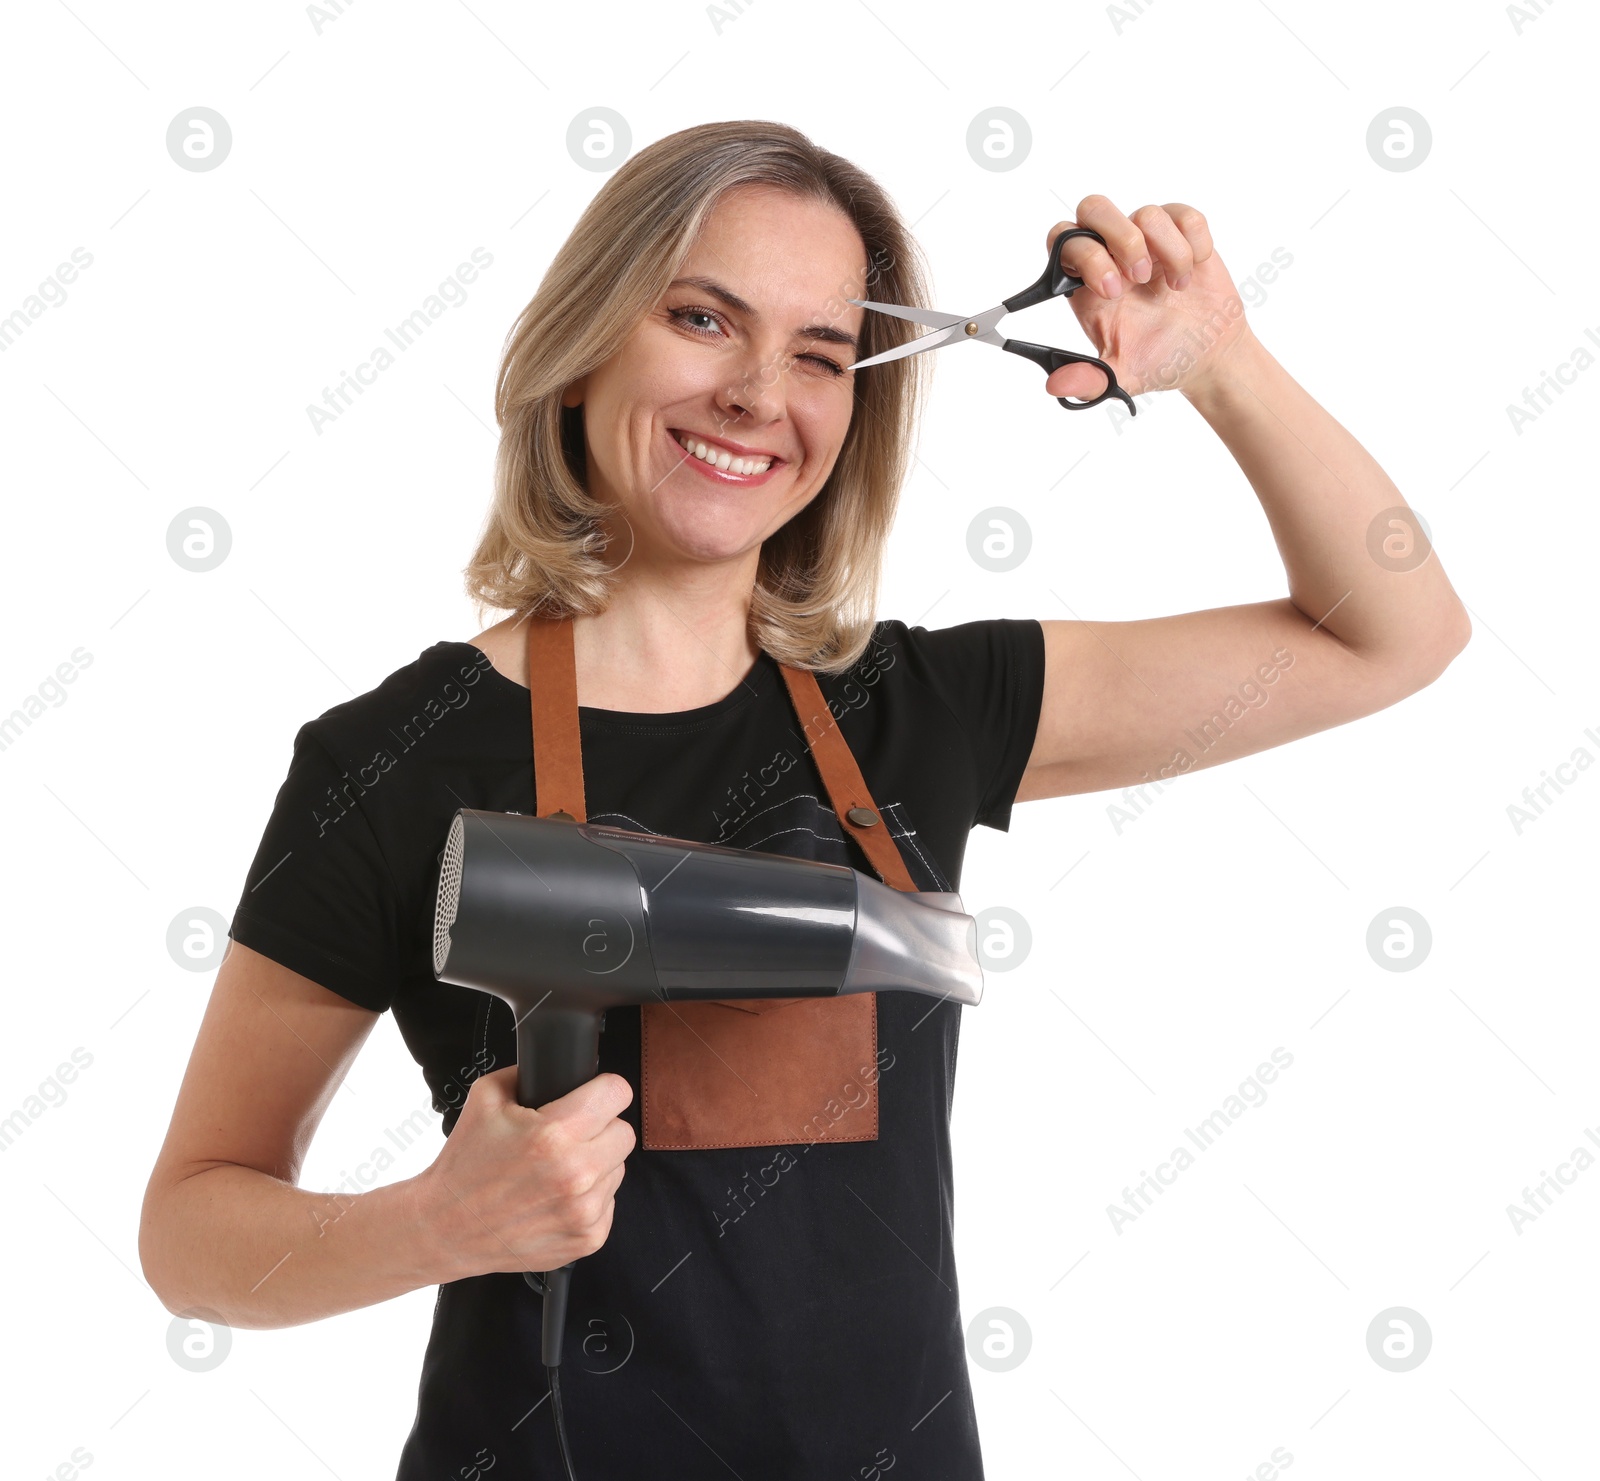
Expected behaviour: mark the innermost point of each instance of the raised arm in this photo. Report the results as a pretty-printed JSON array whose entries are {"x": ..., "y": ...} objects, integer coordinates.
[{"x": 1367, "y": 620}]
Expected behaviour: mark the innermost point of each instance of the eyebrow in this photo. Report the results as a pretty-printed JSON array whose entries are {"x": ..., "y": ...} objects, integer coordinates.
[{"x": 829, "y": 332}]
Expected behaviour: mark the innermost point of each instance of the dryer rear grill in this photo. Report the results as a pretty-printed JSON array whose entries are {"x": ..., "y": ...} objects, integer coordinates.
[{"x": 444, "y": 915}]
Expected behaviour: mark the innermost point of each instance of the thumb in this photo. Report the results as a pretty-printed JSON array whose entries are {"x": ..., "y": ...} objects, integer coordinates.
[
  {"x": 1082, "y": 382},
  {"x": 495, "y": 1087},
  {"x": 591, "y": 1105}
]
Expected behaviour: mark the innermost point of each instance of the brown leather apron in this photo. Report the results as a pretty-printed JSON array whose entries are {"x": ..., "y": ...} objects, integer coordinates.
[{"x": 746, "y": 1072}]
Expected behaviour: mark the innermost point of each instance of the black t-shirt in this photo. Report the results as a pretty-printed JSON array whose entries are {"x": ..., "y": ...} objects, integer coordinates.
[{"x": 780, "y": 1312}]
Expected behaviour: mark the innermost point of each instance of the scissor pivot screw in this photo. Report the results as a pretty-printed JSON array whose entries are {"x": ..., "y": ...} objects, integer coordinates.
[{"x": 972, "y": 326}]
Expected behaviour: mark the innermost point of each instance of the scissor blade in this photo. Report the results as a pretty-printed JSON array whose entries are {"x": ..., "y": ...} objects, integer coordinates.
[
  {"x": 931, "y": 317},
  {"x": 913, "y": 346}
]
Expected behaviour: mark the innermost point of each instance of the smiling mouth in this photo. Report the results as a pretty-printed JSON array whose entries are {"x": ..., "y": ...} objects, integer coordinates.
[{"x": 722, "y": 459}]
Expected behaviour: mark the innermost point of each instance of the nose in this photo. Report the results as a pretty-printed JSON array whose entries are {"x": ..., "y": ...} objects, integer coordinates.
[{"x": 756, "y": 394}]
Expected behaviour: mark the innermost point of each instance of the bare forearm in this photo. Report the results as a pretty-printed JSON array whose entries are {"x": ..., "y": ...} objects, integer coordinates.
[
  {"x": 1323, "y": 494},
  {"x": 258, "y": 1252}
]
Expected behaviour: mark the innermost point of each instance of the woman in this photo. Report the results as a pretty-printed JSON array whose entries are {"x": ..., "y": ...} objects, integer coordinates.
[{"x": 785, "y": 1311}]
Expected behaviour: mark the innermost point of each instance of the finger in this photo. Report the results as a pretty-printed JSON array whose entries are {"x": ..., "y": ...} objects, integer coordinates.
[
  {"x": 1123, "y": 237},
  {"x": 1193, "y": 225},
  {"x": 1171, "y": 247},
  {"x": 615, "y": 1143},
  {"x": 1085, "y": 258}
]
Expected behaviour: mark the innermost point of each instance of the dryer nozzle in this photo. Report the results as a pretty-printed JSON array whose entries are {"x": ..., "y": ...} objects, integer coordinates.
[{"x": 923, "y": 942}]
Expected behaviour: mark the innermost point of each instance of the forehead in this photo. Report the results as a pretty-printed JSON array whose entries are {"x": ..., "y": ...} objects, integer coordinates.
[{"x": 776, "y": 249}]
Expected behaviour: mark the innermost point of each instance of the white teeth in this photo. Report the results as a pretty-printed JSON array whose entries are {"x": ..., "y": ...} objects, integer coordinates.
[{"x": 721, "y": 458}]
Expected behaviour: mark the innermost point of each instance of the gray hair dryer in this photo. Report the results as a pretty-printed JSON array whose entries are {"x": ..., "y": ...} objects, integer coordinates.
[{"x": 564, "y": 920}]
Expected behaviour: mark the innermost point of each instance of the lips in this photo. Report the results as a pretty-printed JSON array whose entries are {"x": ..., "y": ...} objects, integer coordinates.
[{"x": 730, "y": 458}]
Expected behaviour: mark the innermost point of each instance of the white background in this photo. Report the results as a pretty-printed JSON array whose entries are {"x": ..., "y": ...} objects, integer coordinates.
[{"x": 368, "y": 159}]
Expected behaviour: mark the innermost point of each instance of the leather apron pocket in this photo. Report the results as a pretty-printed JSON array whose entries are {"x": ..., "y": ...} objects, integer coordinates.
[{"x": 758, "y": 1072}]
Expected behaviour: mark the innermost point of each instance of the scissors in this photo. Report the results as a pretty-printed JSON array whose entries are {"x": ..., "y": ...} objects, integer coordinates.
[{"x": 1054, "y": 282}]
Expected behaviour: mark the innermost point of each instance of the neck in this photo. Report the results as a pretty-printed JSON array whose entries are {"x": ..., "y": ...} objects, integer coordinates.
[{"x": 667, "y": 643}]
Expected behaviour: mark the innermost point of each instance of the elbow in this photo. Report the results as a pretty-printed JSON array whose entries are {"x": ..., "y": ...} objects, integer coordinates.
[
  {"x": 184, "y": 1256},
  {"x": 1427, "y": 657},
  {"x": 160, "y": 1258},
  {"x": 152, "y": 1250},
  {"x": 1455, "y": 630},
  {"x": 1446, "y": 647}
]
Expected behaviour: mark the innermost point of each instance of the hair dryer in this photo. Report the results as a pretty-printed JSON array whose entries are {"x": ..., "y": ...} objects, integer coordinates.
[{"x": 564, "y": 920}]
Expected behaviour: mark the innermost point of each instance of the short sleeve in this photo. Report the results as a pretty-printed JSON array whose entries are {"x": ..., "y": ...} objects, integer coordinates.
[
  {"x": 319, "y": 897},
  {"x": 991, "y": 676}
]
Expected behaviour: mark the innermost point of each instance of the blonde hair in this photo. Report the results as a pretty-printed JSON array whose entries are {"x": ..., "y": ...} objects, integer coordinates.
[{"x": 542, "y": 547}]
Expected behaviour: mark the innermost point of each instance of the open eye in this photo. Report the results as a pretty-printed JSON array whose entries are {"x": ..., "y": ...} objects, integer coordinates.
[{"x": 683, "y": 315}]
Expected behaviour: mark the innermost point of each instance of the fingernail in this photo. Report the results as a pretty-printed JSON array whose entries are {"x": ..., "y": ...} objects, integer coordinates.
[
  {"x": 1183, "y": 282},
  {"x": 1111, "y": 284},
  {"x": 1141, "y": 270}
]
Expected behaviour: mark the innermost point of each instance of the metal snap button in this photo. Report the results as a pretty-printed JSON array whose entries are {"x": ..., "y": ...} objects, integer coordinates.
[{"x": 862, "y": 817}]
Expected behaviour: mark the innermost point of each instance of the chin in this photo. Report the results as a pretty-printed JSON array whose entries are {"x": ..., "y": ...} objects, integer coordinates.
[
  {"x": 713, "y": 550},
  {"x": 711, "y": 532}
]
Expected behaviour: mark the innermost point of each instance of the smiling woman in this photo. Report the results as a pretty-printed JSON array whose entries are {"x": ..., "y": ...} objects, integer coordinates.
[
  {"x": 693, "y": 491},
  {"x": 693, "y": 494}
]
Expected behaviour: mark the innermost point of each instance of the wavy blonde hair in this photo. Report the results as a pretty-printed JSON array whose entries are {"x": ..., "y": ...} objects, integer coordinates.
[{"x": 542, "y": 547}]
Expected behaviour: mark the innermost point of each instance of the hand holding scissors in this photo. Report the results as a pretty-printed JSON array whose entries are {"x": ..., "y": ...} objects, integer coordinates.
[
  {"x": 1055, "y": 281},
  {"x": 1161, "y": 302}
]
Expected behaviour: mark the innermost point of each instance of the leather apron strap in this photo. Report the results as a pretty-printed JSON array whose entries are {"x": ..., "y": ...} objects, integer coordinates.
[
  {"x": 847, "y": 788},
  {"x": 558, "y": 750}
]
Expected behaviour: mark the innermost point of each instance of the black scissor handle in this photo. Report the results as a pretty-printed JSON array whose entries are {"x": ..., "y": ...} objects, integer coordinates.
[
  {"x": 1055, "y": 281},
  {"x": 1049, "y": 359}
]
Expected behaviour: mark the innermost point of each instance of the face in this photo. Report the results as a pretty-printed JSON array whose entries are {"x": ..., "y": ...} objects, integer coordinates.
[{"x": 743, "y": 358}]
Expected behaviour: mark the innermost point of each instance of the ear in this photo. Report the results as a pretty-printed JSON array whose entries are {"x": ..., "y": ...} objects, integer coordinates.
[{"x": 573, "y": 395}]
